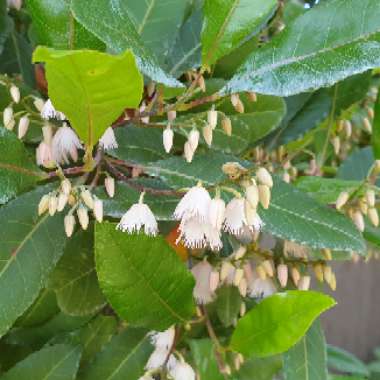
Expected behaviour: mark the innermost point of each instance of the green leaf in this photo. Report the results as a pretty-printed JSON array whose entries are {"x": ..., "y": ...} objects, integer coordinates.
[
  {"x": 143, "y": 278},
  {"x": 43, "y": 308},
  {"x": 294, "y": 216},
  {"x": 18, "y": 172},
  {"x": 259, "y": 368},
  {"x": 345, "y": 362},
  {"x": 278, "y": 322},
  {"x": 74, "y": 278},
  {"x": 5, "y": 24},
  {"x": 376, "y": 130},
  {"x": 91, "y": 88},
  {"x": 321, "y": 47},
  {"x": 29, "y": 249},
  {"x": 326, "y": 190},
  {"x": 157, "y": 22},
  {"x": 50, "y": 363},
  {"x": 177, "y": 173},
  {"x": 53, "y": 25},
  {"x": 308, "y": 358},
  {"x": 162, "y": 206},
  {"x": 123, "y": 358},
  {"x": 117, "y": 30},
  {"x": 259, "y": 119},
  {"x": 228, "y": 304},
  {"x": 202, "y": 351},
  {"x": 228, "y": 23}
]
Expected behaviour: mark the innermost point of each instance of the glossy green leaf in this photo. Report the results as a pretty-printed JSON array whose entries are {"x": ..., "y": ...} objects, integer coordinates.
[
  {"x": 53, "y": 25},
  {"x": 259, "y": 119},
  {"x": 5, "y": 24},
  {"x": 117, "y": 30},
  {"x": 227, "y": 23},
  {"x": 295, "y": 216},
  {"x": 345, "y": 362},
  {"x": 326, "y": 190},
  {"x": 162, "y": 206},
  {"x": 259, "y": 368},
  {"x": 202, "y": 351},
  {"x": 228, "y": 304},
  {"x": 29, "y": 249},
  {"x": 177, "y": 173},
  {"x": 74, "y": 278},
  {"x": 18, "y": 172},
  {"x": 156, "y": 22},
  {"x": 308, "y": 358},
  {"x": 123, "y": 358},
  {"x": 91, "y": 88},
  {"x": 376, "y": 130},
  {"x": 51, "y": 363},
  {"x": 278, "y": 322},
  {"x": 143, "y": 278},
  {"x": 321, "y": 47}
]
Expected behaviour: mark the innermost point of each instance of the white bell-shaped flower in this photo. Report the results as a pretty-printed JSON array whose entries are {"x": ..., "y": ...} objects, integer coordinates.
[
  {"x": 192, "y": 233},
  {"x": 202, "y": 291},
  {"x": 137, "y": 217},
  {"x": 44, "y": 155},
  {"x": 213, "y": 238},
  {"x": 167, "y": 138},
  {"x": 157, "y": 359},
  {"x": 108, "y": 140},
  {"x": 182, "y": 371},
  {"x": 163, "y": 339},
  {"x": 49, "y": 112},
  {"x": 216, "y": 212},
  {"x": 194, "y": 204},
  {"x": 65, "y": 143}
]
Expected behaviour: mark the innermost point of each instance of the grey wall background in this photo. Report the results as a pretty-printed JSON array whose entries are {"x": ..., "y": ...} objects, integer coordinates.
[{"x": 354, "y": 324}]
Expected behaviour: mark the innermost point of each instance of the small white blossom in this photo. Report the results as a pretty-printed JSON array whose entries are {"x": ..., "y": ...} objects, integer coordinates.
[
  {"x": 15, "y": 93},
  {"x": 157, "y": 359},
  {"x": 213, "y": 238},
  {"x": 193, "y": 139},
  {"x": 188, "y": 152},
  {"x": 137, "y": 217},
  {"x": 193, "y": 233},
  {"x": 108, "y": 140},
  {"x": 235, "y": 218},
  {"x": 194, "y": 204},
  {"x": 49, "y": 112},
  {"x": 44, "y": 155},
  {"x": 182, "y": 371},
  {"x": 65, "y": 142},
  {"x": 202, "y": 291},
  {"x": 163, "y": 339}
]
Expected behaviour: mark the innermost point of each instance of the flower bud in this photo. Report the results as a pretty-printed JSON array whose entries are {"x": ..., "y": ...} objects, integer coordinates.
[
  {"x": 239, "y": 273},
  {"x": 167, "y": 137},
  {"x": 83, "y": 217},
  {"x": 327, "y": 254},
  {"x": 109, "y": 184},
  {"x": 347, "y": 128},
  {"x": 23, "y": 126},
  {"x": 282, "y": 275},
  {"x": 252, "y": 96},
  {"x": 87, "y": 199},
  {"x": 243, "y": 287},
  {"x": 363, "y": 206},
  {"x": 234, "y": 170},
  {"x": 53, "y": 204},
  {"x": 227, "y": 126},
  {"x": 359, "y": 220},
  {"x": 214, "y": 280},
  {"x": 264, "y": 177},
  {"x": 43, "y": 206},
  {"x": 327, "y": 272},
  {"x": 66, "y": 186},
  {"x": 250, "y": 213},
  {"x": 336, "y": 144},
  {"x": 264, "y": 195},
  {"x": 226, "y": 270},
  {"x": 47, "y": 132},
  {"x": 367, "y": 125},
  {"x": 62, "y": 200},
  {"x": 216, "y": 211},
  {"x": 243, "y": 309},
  {"x": 7, "y": 116},
  {"x": 172, "y": 114},
  {"x": 268, "y": 267},
  {"x": 371, "y": 198},
  {"x": 98, "y": 210},
  {"x": 252, "y": 195},
  {"x": 202, "y": 83},
  {"x": 304, "y": 283},
  {"x": 261, "y": 272},
  {"x": 240, "y": 252},
  {"x": 318, "y": 271},
  {"x": 212, "y": 118},
  {"x": 39, "y": 104},
  {"x": 373, "y": 216},
  {"x": 332, "y": 282},
  {"x": 295, "y": 275},
  {"x": 15, "y": 93},
  {"x": 207, "y": 134},
  {"x": 193, "y": 139},
  {"x": 188, "y": 152},
  {"x": 342, "y": 200},
  {"x": 69, "y": 223},
  {"x": 235, "y": 99}
]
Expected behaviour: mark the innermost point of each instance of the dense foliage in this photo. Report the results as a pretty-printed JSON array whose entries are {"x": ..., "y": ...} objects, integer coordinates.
[{"x": 174, "y": 178}]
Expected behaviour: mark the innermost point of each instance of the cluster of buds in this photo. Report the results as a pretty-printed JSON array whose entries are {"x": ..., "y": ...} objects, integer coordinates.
[
  {"x": 360, "y": 207},
  {"x": 79, "y": 199}
]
